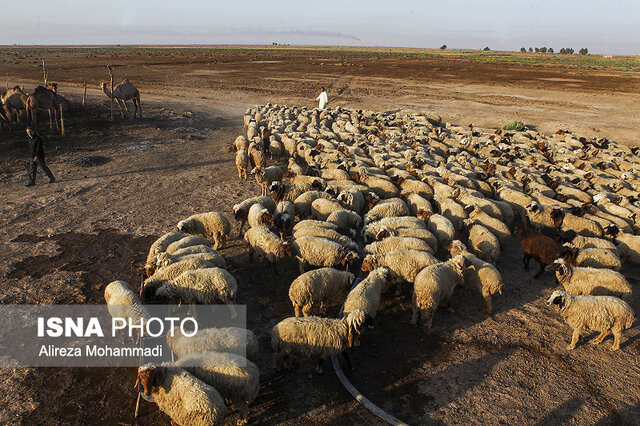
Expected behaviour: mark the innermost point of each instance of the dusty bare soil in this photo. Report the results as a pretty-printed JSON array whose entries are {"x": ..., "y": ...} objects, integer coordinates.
[{"x": 122, "y": 184}]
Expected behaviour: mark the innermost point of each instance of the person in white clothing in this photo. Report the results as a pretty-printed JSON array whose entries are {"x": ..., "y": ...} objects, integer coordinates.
[{"x": 322, "y": 99}]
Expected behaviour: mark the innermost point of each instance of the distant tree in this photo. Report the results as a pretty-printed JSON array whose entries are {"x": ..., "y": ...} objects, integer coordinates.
[
  {"x": 444, "y": 46},
  {"x": 530, "y": 49},
  {"x": 543, "y": 49},
  {"x": 486, "y": 48},
  {"x": 550, "y": 50},
  {"x": 562, "y": 51},
  {"x": 537, "y": 49},
  {"x": 523, "y": 49},
  {"x": 584, "y": 51},
  {"x": 570, "y": 51}
]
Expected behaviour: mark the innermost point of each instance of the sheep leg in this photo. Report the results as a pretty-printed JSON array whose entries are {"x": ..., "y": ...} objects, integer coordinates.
[
  {"x": 487, "y": 303},
  {"x": 243, "y": 408},
  {"x": 302, "y": 265},
  {"x": 414, "y": 316},
  {"x": 241, "y": 226},
  {"x": 601, "y": 337},
  {"x": 540, "y": 271},
  {"x": 298, "y": 310},
  {"x": 347, "y": 360},
  {"x": 525, "y": 260},
  {"x": 427, "y": 317},
  {"x": 617, "y": 336},
  {"x": 319, "y": 366},
  {"x": 574, "y": 338}
]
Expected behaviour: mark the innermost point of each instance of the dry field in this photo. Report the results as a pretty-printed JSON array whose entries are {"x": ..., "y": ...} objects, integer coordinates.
[{"x": 122, "y": 184}]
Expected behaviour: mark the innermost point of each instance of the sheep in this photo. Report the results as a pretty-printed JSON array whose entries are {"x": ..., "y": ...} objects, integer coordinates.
[
  {"x": 496, "y": 226},
  {"x": 204, "y": 253},
  {"x": 265, "y": 176},
  {"x": 389, "y": 208},
  {"x": 233, "y": 376},
  {"x": 483, "y": 243},
  {"x": 303, "y": 202},
  {"x": 328, "y": 233},
  {"x": 259, "y": 215},
  {"x": 397, "y": 243},
  {"x": 171, "y": 272},
  {"x": 345, "y": 219},
  {"x": 242, "y": 163},
  {"x": 352, "y": 199},
  {"x": 628, "y": 245},
  {"x": 422, "y": 234},
  {"x": 537, "y": 246},
  {"x": 605, "y": 314},
  {"x": 404, "y": 263},
  {"x": 123, "y": 303},
  {"x": 312, "y": 292},
  {"x": 205, "y": 286},
  {"x": 209, "y": 225},
  {"x": 416, "y": 202},
  {"x": 373, "y": 228},
  {"x": 241, "y": 210},
  {"x": 159, "y": 246},
  {"x": 452, "y": 210},
  {"x": 284, "y": 217},
  {"x": 194, "y": 240},
  {"x": 439, "y": 226},
  {"x": 318, "y": 251},
  {"x": 580, "y": 281},
  {"x": 184, "y": 398},
  {"x": 434, "y": 285},
  {"x": 240, "y": 143},
  {"x": 225, "y": 339},
  {"x": 545, "y": 219},
  {"x": 314, "y": 337},
  {"x": 588, "y": 242},
  {"x": 283, "y": 192},
  {"x": 590, "y": 257},
  {"x": 484, "y": 277},
  {"x": 266, "y": 245},
  {"x": 314, "y": 223},
  {"x": 366, "y": 295},
  {"x": 321, "y": 208},
  {"x": 582, "y": 226},
  {"x": 256, "y": 156}
]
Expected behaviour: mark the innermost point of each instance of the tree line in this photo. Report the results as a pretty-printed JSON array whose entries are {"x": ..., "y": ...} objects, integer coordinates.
[{"x": 563, "y": 51}]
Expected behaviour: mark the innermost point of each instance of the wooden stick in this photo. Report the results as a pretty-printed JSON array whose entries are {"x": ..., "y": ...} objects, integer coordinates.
[
  {"x": 111, "y": 79},
  {"x": 44, "y": 73},
  {"x": 135, "y": 416},
  {"x": 84, "y": 92}
]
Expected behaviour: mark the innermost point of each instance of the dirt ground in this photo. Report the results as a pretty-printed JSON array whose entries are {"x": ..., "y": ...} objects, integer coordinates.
[{"x": 122, "y": 184}]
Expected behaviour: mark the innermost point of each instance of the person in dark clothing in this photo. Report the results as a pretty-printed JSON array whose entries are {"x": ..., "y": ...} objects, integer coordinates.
[{"x": 37, "y": 157}]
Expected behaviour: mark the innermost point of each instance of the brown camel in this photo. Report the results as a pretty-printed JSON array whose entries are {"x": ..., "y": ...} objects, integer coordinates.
[
  {"x": 14, "y": 101},
  {"x": 122, "y": 93},
  {"x": 46, "y": 99}
]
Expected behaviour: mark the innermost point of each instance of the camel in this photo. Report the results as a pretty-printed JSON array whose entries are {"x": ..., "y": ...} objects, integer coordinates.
[
  {"x": 14, "y": 100},
  {"x": 122, "y": 93},
  {"x": 43, "y": 98}
]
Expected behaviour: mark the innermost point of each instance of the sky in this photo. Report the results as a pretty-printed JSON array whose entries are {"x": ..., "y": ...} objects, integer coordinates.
[{"x": 602, "y": 26}]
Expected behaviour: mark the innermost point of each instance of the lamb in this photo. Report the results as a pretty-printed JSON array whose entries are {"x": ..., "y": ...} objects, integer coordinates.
[
  {"x": 122, "y": 302},
  {"x": 318, "y": 251},
  {"x": 483, "y": 243},
  {"x": 241, "y": 210},
  {"x": 209, "y": 225},
  {"x": 422, "y": 234},
  {"x": 159, "y": 246},
  {"x": 388, "y": 208},
  {"x": 259, "y": 215},
  {"x": 590, "y": 281},
  {"x": 205, "y": 286},
  {"x": 312, "y": 292},
  {"x": 284, "y": 217},
  {"x": 328, "y": 233},
  {"x": 193, "y": 240},
  {"x": 628, "y": 244},
  {"x": 322, "y": 208},
  {"x": 605, "y": 314},
  {"x": 204, "y": 253},
  {"x": 266, "y": 245},
  {"x": 184, "y": 398},
  {"x": 484, "y": 277},
  {"x": 434, "y": 285},
  {"x": 233, "y": 376},
  {"x": 366, "y": 295},
  {"x": 397, "y": 243},
  {"x": 314, "y": 337},
  {"x": 267, "y": 175},
  {"x": 303, "y": 202},
  {"x": 242, "y": 163},
  {"x": 404, "y": 263},
  {"x": 225, "y": 339},
  {"x": 590, "y": 257},
  {"x": 537, "y": 246}
]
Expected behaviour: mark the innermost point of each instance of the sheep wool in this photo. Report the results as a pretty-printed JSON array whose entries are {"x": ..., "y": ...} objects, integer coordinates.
[
  {"x": 327, "y": 233},
  {"x": 194, "y": 240},
  {"x": 210, "y": 225},
  {"x": 242, "y": 163},
  {"x": 206, "y": 286},
  {"x": 605, "y": 314},
  {"x": 318, "y": 251},
  {"x": 366, "y": 295},
  {"x": 166, "y": 259},
  {"x": 316, "y": 290},
  {"x": 225, "y": 339},
  {"x": 397, "y": 243},
  {"x": 483, "y": 243},
  {"x": 259, "y": 216},
  {"x": 241, "y": 210},
  {"x": 122, "y": 302},
  {"x": 321, "y": 208},
  {"x": 579, "y": 281},
  {"x": 404, "y": 263},
  {"x": 160, "y": 246}
]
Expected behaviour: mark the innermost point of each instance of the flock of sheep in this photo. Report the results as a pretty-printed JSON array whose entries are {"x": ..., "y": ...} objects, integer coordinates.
[{"x": 370, "y": 201}]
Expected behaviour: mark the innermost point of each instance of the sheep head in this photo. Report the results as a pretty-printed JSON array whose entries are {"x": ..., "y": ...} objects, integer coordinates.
[
  {"x": 368, "y": 263},
  {"x": 456, "y": 247},
  {"x": 265, "y": 217},
  {"x": 150, "y": 376},
  {"x": 558, "y": 297},
  {"x": 557, "y": 215},
  {"x": 349, "y": 257},
  {"x": 371, "y": 199},
  {"x": 284, "y": 249},
  {"x": 356, "y": 322},
  {"x": 384, "y": 233},
  {"x": 562, "y": 269},
  {"x": 423, "y": 214},
  {"x": 569, "y": 253},
  {"x": 461, "y": 263},
  {"x": 612, "y": 230}
]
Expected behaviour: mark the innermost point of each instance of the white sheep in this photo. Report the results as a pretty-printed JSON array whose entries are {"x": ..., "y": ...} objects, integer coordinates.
[
  {"x": 171, "y": 272},
  {"x": 322, "y": 208},
  {"x": 590, "y": 257},
  {"x": 328, "y": 233},
  {"x": 590, "y": 281},
  {"x": 314, "y": 337},
  {"x": 352, "y": 199},
  {"x": 312, "y": 292},
  {"x": 303, "y": 202},
  {"x": 345, "y": 219},
  {"x": 241, "y": 210},
  {"x": 397, "y": 243},
  {"x": 318, "y": 251},
  {"x": 224, "y": 339},
  {"x": 267, "y": 175},
  {"x": 372, "y": 229},
  {"x": 122, "y": 302},
  {"x": 259, "y": 215},
  {"x": 284, "y": 217},
  {"x": 452, "y": 210},
  {"x": 416, "y": 202},
  {"x": 483, "y": 277},
  {"x": 233, "y": 376},
  {"x": 204, "y": 286},
  {"x": 242, "y": 163},
  {"x": 160, "y": 246},
  {"x": 423, "y": 234},
  {"x": 434, "y": 285},
  {"x": 265, "y": 245},
  {"x": 366, "y": 294},
  {"x": 404, "y": 263},
  {"x": 194, "y": 252},
  {"x": 193, "y": 240},
  {"x": 483, "y": 243},
  {"x": 283, "y": 192},
  {"x": 439, "y": 226},
  {"x": 628, "y": 245},
  {"x": 393, "y": 207},
  {"x": 314, "y": 223},
  {"x": 496, "y": 226},
  {"x": 606, "y": 314},
  {"x": 180, "y": 395},
  {"x": 210, "y": 225}
]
